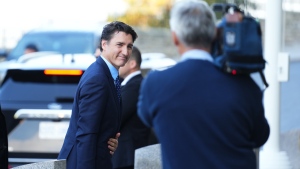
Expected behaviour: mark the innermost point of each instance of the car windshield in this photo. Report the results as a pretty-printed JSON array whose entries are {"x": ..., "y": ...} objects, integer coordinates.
[{"x": 62, "y": 42}]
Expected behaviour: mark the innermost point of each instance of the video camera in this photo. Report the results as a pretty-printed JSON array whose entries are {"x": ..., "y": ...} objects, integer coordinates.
[{"x": 237, "y": 48}]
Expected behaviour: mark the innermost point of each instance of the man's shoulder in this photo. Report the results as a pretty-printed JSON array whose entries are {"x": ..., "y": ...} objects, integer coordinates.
[
  {"x": 96, "y": 73},
  {"x": 168, "y": 72},
  {"x": 134, "y": 81},
  {"x": 137, "y": 77}
]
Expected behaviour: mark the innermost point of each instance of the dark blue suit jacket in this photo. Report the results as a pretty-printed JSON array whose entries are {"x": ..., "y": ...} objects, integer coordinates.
[
  {"x": 203, "y": 117},
  {"x": 96, "y": 117}
]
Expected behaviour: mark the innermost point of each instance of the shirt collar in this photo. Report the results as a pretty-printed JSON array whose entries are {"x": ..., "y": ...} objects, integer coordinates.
[
  {"x": 113, "y": 71},
  {"x": 131, "y": 75},
  {"x": 196, "y": 54}
]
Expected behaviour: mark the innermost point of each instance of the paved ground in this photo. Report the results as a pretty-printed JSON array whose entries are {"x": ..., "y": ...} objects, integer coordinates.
[{"x": 290, "y": 143}]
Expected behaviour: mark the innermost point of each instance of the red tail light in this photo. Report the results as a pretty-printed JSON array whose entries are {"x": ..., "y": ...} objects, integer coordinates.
[{"x": 63, "y": 72}]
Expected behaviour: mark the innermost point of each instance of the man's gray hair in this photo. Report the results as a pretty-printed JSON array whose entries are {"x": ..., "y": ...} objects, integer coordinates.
[{"x": 194, "y": 23}]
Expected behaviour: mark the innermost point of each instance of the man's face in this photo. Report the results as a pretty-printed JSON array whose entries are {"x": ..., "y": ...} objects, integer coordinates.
[
  {"x": 29, "y": 51},
  {"x": 118, "y": 50}
]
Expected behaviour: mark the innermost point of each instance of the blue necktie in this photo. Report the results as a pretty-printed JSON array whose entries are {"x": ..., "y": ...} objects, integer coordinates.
[{"x": 118, "y": 87}]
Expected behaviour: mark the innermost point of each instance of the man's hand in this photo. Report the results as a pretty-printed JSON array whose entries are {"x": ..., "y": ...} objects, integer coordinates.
[{"x": 113, "y": 144}]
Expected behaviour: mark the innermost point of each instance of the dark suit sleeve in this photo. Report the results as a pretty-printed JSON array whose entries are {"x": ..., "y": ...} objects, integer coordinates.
[
  {"x": 92, "y": 103},
  {"x": 130, "y": 94},
  {"x": 261, "y": 129},
  {"x": 143, "y": 104}
]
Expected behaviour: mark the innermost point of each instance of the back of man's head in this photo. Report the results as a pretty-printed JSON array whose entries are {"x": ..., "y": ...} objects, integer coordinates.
[
  {"x": 30, "y": 48},
  {"x": 193, "y": 22},
  {"x": 136, "y": 55}
]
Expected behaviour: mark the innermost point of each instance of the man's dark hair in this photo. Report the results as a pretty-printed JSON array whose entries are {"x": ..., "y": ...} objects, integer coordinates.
[
  {"x": 136, "y": 55},
  {"x": 116, "y": 26},
  {"x": 32, "y": 47}
]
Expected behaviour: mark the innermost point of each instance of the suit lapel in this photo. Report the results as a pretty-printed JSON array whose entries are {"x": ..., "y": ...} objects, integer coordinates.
[{"x": 111, "y": 84}]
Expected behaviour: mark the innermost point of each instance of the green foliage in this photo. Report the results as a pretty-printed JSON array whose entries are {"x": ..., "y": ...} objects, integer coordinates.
[{"x": 144, "y": 13}]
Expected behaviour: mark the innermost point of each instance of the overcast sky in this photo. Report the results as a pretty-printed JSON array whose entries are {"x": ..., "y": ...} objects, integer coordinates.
[
  {"x": 19, "y": 16},
  {"x": 27, "y": 13}
]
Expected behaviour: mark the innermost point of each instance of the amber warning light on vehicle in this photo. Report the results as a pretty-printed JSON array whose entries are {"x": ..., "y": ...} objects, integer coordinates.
[{"x": 63, "y": 72}]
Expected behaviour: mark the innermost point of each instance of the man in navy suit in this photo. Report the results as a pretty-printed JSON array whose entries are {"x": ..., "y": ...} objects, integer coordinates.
[
  {"x": 96, "y": 113},
  {"x": 134, "y": 133},
  {"x": 203, "y": 117}
]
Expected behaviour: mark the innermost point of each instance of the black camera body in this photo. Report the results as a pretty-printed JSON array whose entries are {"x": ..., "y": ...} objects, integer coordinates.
[
  {"x": 237, "y": 48},
  {"x": 224, "y": 8}
]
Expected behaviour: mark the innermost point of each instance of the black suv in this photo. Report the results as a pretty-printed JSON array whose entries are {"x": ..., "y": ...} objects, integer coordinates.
[
  {"x": 36, "y": 98},
  {"x": 26, "y": 87}
]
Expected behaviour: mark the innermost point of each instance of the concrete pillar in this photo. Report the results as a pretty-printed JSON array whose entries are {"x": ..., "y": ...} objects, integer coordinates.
[{"x": 270, "y": 156}]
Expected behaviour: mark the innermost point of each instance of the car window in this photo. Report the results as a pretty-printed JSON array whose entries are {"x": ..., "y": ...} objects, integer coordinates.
[{"x": 62, "y": 42}]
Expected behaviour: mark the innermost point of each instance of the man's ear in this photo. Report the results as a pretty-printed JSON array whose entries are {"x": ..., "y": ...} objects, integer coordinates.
[
  {"x": 132, "y": 64},
  {"x": 104, "y": 44},
  {"x": 175, "y": 38}
]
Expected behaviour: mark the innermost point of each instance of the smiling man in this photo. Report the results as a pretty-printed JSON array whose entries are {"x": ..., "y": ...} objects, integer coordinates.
[{"x": 96, "y": 115}]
